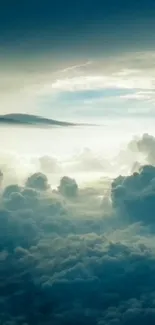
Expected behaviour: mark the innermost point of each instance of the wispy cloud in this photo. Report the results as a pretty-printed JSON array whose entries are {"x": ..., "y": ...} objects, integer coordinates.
[{"x": 56, "y": 91}]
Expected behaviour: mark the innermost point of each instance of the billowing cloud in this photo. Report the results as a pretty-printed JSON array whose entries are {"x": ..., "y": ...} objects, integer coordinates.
[
  {"x": 134, "y": 194},
  {"x": 68, "y": 187},
  {"x": 86, "y": 258},
  {"x": 146, "y": 146}
]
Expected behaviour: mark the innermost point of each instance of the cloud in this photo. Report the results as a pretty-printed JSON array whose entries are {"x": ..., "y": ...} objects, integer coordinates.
[
  {"x": 109, "y": 84},
  {"x": 88, "y": 161},
  {"x": 134, "y": 194},
  {"x": 76, "y": 67},
  {"x": 140, "y": 95},
  {"x": 49, "y": 165},
  {"x": 37, "y": 181},
  {"x": 146, "y": 146},
  {"x": 78, "y": 259},
  {"x": 87, "y": 258},
  {"x": 40, "y": 89},
  {"x": 68, "y": 187}
]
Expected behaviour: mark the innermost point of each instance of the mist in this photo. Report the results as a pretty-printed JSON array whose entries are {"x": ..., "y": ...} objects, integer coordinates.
[{"x": 86, "y": 153}]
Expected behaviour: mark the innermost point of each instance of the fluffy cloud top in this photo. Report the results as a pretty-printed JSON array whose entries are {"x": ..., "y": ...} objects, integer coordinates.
[{"x": 87, "y": 258}]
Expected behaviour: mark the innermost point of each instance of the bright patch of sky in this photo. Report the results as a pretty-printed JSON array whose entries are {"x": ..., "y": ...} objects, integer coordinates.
[{"x": 116, "y": 86}]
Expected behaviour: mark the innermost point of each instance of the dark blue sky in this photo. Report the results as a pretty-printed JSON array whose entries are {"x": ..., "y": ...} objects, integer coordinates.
[{"x": 94, "y": 25}]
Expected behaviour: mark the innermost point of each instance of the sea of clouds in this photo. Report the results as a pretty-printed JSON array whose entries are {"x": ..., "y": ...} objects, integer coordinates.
[{"x": 78, "y": 253}]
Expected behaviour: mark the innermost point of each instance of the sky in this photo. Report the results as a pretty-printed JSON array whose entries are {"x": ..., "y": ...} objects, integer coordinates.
[
  {"x": 77, "y": 204},
  {"x": 77, "y": 59}
]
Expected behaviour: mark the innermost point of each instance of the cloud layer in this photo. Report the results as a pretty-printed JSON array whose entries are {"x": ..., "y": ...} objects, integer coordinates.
[
  {"x": 116, "y": 85},
  {"x": 82, "y": 255}
]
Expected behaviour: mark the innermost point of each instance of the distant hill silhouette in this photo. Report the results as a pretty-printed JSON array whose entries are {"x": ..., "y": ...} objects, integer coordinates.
[{"x": 31, "y": 120}]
